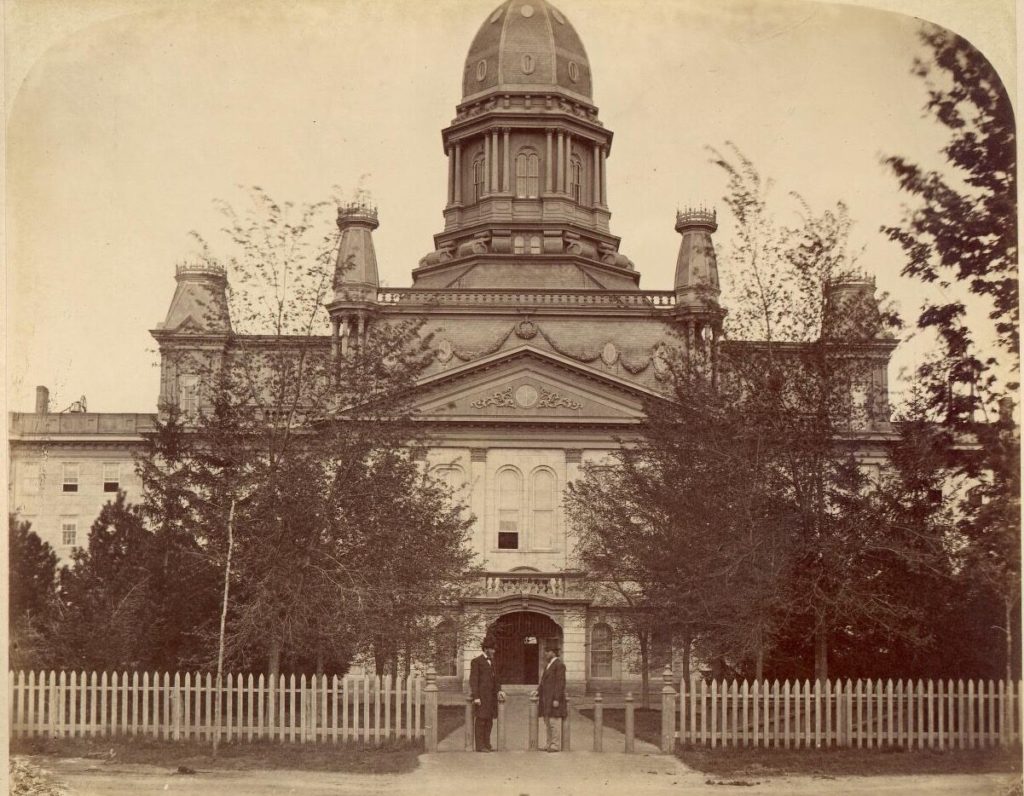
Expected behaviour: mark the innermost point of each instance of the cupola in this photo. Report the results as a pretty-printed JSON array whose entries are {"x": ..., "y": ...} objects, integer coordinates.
[{"x": 527, "y": 199}]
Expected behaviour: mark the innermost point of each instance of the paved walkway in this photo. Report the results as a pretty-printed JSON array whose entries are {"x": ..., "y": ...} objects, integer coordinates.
[{"x": 517, "y": 726}]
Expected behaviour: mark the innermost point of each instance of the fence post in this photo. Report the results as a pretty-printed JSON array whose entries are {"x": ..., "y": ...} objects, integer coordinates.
[
  {"x": 469, "y": 724},
  {"x": 567, "y": 727},
  {"x": 431, "y": 709},
  {"x": 668, "y": 713},
  {"x": 598, "y": 722},
  {"x": 629, "y": 721},
  {"x": 501, "y": 726},
  {"x": 531, "y": 714}
]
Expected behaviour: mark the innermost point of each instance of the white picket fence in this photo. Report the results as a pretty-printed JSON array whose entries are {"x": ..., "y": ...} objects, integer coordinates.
[
  {"x": 866, "y": 713},
  {"x": 364, "y": 709}
]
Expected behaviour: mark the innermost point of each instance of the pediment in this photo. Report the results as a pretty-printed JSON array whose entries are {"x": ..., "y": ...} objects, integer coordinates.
[{"x": 527, "y": 385}]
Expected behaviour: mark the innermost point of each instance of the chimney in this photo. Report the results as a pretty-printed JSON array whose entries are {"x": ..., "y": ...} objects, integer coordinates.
[{"x": 42, "y": 400}]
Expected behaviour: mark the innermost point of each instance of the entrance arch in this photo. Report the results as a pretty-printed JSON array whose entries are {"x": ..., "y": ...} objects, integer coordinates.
[{"x": 521, "y": 639}]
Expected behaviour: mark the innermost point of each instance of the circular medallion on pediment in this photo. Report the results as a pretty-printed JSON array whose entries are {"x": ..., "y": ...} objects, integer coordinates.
[
  {"x": 445, "y": 350},
  {"x": 609, "y": 353},
  {"x": 526, "y": 395},
  {"x": 526, "y": 11},
  {"x": 526, "y": 330}
]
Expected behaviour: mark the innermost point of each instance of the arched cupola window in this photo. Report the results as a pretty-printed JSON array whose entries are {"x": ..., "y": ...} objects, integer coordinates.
[
  {"x": 535, "y": 244},
  {"x": 478, "y": 178},
  {"x": 519, "y": 245},
  {"x": 527, "y": 174},
  {"x": 575, "y": 178}
]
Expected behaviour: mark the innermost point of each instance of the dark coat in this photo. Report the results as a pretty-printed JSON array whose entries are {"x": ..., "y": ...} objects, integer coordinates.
[
  {"x": 484, "y": 685},
  {"x": 552, "y": 688}
]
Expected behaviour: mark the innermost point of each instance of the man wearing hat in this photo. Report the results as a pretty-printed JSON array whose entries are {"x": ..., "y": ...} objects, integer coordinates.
[
  {"x": 551, "y": 694},
  {"x": 486, "y": 693}
]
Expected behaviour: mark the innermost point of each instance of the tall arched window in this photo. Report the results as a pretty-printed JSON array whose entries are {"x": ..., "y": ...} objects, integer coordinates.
[
  {"x": 519, "y": 245},
  {"x": 535, "y": 244},
  {"x": 601, "y": 650},
  {"x": 527, "y": 174},
  {"x": 478, "y": 178},
  {"x": 575, "y": 178},
  {"x": 544, "y": 489},
  {"x": 510, "y": 498}
]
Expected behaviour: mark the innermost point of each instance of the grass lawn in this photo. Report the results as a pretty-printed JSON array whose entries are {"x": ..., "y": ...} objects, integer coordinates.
[
  {"x": 832, "y": 762},
  {"x": 397, "y": 757},
  {"x": 820, "y": 762}
]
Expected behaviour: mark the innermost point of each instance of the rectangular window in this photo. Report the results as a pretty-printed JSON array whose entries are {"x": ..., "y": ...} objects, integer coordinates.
[
  {"x": 111, "y": 476},
  {"x": 188, "y": 395},
  {"x": 68, "y": 532},
  {"x": 70, "y": 481},
  {"x": 508, "y": 535},
  {"x": 29, "y": 478}
]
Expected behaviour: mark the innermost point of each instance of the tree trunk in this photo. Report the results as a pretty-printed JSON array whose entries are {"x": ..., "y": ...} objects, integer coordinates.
[
  {"x": 223, "y": 623},
  {"x": 274, "y": 659},
  {"x": 759, "y": 663},
  {"x": 820, "y": 655},
  {"x": 687, "y": 643},
  {"x": 1008, "y": 616},
  {"x": 645, "y": 700}
]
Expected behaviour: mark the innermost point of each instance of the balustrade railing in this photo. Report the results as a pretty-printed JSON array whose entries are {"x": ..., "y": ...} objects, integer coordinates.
[{"x": 558, "y": 298}]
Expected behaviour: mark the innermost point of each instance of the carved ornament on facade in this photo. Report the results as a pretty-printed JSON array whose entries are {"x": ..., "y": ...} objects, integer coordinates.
[
  {"x": 609, "y": 353},
  {"x": 502, "y": 398},
  {"x": 552, "y": 400},
  {"x": 526, "y": 396}
]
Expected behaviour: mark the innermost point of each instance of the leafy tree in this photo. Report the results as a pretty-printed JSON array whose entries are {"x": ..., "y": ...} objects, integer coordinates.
[
  {"x": 964, "y": 231},
  {"x": 106, "y": 595},
  {"x": 285, "y": 441},
  {"x": 743, "y": 511},
  {"x": 962, "y": 235},
  {"x": 32, "y": 592}
]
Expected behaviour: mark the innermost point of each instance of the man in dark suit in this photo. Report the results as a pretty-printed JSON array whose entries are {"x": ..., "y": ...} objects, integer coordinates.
[
  {"x": 551, "y": 694},
  {"x": 486, "y": 692}
]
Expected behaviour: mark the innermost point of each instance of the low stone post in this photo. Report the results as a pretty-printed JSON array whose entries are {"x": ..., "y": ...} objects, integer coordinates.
[
  {"x": 470, "y": 724},
  {"x": 598, "y": 722},
  {"x": 630, "y": 730},
  {"x": 532, "y": 714},
  {"x": 501, "y": 726},
  {"x": 668, "y": 713},
  {"x": 430, "y": 719},
  {"x": 567, "y": 727}
]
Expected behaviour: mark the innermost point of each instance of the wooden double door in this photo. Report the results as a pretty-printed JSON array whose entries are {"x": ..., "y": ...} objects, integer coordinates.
[{"x": 521, "y": 639}]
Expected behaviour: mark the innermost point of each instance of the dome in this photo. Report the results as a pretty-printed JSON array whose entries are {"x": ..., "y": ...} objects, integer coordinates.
[{"x": 527, "y": 45}]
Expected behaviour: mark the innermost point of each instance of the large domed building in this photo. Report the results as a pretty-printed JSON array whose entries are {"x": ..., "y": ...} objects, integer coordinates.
[{"x": 546, "y": 347}]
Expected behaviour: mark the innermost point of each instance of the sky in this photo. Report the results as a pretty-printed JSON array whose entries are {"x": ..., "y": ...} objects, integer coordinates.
[{"x": 126, "y": 119}]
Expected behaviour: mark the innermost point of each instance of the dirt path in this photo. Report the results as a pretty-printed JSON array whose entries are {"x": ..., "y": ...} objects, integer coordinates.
[{"x": 505, "y": 774}]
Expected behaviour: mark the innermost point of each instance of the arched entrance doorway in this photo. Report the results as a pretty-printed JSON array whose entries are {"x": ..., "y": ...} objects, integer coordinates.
[{"x": 521, "y": 639}]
